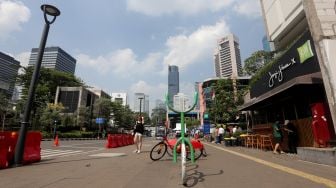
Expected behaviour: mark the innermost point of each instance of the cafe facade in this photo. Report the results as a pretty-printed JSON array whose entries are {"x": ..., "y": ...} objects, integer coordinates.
[{"x": 288, "y": 89}]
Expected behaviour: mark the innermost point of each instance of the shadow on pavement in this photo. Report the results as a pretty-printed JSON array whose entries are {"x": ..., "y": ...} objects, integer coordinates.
[{"x": 196, "y": 176}]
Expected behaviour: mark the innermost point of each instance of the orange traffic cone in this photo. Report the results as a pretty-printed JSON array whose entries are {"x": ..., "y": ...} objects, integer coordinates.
[{"x": 56, "y": 141}]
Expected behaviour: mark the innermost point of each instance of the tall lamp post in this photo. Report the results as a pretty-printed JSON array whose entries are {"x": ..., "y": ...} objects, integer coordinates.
[
  {"x": 140, "y": 98},
  {"x": 51, "y": 11}
]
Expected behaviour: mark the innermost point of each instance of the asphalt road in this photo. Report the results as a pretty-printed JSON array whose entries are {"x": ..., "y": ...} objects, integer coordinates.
[{"x": 88, "y": 164}]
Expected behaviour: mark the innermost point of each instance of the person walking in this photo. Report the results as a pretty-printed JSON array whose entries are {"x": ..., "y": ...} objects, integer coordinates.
[
  {"x": 220, "y": 134},
  {"x": 277, "y": 134},
  {"x": 292, "y": 136},
  {"x": 217, "y": 135},
  {"x": 138, "y": 132}
]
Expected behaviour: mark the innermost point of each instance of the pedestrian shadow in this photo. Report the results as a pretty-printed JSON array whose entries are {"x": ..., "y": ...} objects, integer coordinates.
[{"x": 194, "y": 176}]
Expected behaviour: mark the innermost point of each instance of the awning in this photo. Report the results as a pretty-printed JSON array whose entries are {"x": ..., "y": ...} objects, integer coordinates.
[{"x": 314, "y": 78}]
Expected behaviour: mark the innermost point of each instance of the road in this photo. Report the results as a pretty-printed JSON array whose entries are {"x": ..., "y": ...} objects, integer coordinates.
[{"x": 89, "y": 164}]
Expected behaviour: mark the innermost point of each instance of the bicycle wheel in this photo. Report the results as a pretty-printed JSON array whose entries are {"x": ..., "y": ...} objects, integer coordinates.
[
  {"x": 158, "y": 151},
  {"x": 170, "y": 152},
  {"x": 197, "y": 153}
]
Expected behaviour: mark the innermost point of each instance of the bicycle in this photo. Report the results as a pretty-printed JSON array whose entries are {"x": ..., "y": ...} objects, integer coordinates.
[{"x": 167, "y": 146}]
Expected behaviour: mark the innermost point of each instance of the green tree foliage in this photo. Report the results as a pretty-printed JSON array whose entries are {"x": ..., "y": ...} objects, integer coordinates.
[
  {"x": 5, "y": 108},
  {"x": 83, "y": 117},
  {"x": 190, "y": 122},
  {"x": 228, "y": 96},
  {"x": 46, "y": 87},
  {"x": 158, "y": 116},
  {"x": 50, "y": 114},
  {"x": 102, "y": 108},
  {"x": 256, "y": 61},
  {"x": 122, "y": 115}
]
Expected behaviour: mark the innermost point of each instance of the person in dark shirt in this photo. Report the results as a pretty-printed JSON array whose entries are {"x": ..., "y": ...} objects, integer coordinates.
[
  {"x": 292, "y": 136},
  {"x": 138, "y": 132}
]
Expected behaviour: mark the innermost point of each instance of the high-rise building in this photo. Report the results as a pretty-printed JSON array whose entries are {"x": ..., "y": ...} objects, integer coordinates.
[
  {"x": 146, "y": 104},
  {"x": 227, "y": 57},
  {"x": 54, "y": 58},
  {"x": 266, "y": 44},
  {"x": 173, "y": 81},
  {"x": 8, "y": 73},
  {"x": 120, "y": 97},
  {"x": 137, "y": 98}
]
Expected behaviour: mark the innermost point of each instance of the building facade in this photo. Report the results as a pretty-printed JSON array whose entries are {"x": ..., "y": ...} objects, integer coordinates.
[
  {"x": 227, "y": 60},
  {"x": 72, "y": 98},
  {"x": 120, "y": 97},
  {"x": 100, "y": 93},
  {"x": 173, "y": 82},
  {"x": 54, "y": 58},
  {"x": 295, "y": 82},
  {"x": 8, "y": 72}
]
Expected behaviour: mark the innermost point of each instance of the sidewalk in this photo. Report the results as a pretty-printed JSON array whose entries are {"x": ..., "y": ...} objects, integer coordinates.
[{"x": 121, "y": 168}]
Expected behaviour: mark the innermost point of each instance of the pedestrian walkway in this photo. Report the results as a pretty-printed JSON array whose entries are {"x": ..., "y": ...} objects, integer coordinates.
[{"x": 50, "y": 153}]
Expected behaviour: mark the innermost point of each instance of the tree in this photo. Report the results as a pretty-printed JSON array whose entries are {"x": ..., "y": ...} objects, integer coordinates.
[
  {"x": 4, "y": 108},
  {"x": 83, "y": 116},
  {"x": 50, "y": 114},
  {"x": 256, "y": 61},
  {"x": 227, "y": 99},
  {"x": 46, "y": 86},
  {"x": 158, "y": 116},
  {"x": 122, "y": 115}
]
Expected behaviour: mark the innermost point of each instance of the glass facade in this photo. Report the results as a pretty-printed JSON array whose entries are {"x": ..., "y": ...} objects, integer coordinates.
[
  {"x": 54, "y": 58},
  {"x": 173, "y": 81},
  {"x": 8, "y": 73}
]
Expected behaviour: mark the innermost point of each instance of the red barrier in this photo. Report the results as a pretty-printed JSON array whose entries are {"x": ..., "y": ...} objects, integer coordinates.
[
  {"x": 4, "y": 150},
  {"x": 13, "y": 137},
  {"x": 119, "y": 140},
  {"x": 111, "y": 141},
  {"x": 32, "y": 152},
  {"x": 131, "y": 139},
  {"x": 124, "y": 139}
]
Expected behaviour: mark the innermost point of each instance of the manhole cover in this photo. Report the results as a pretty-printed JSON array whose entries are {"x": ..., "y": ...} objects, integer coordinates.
[{"x": 108, "y": 155}]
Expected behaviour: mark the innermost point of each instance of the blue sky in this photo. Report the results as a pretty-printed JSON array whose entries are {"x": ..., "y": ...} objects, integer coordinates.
[{"x": 127, "y": 45}]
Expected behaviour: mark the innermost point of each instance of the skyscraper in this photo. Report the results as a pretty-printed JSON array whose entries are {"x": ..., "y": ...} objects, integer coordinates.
[
  {"x": 8, "y": 73},
  {"x": 227, "y": 59},
  {"x": 54, "y": 58},
  {"x": 173, "y": 81}
]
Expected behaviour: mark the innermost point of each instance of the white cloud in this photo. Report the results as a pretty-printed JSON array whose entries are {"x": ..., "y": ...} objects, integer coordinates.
[
  {"x": 185, "y": 7},
  {"x": 184, "y": 50},
  {"x": 23, "y": 58},
  {"x": 154, "y": 91},
  {"x": 248, "y": 8},
  {"x": 12, "y": 15},
  {"x": 122, "y": 62}
]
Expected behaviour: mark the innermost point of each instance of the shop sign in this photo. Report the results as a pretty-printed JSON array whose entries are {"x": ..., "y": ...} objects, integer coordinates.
[
  {"x": 305, "y": 52},
  {"x": 298, "y": 60}
]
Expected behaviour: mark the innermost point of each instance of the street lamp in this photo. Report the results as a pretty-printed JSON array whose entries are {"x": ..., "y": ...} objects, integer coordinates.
[
  {"x": 140, "y": 98},
  {"x": 51, "y": 11}
]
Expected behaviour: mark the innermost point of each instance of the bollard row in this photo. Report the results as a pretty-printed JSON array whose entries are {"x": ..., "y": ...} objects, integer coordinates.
[{"x": 118, "y": 140}]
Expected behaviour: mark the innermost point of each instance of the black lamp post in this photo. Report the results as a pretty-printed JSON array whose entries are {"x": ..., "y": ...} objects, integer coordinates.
[
  {"x": 140, "y": 98},
  {"x": 51, "y": 11}
]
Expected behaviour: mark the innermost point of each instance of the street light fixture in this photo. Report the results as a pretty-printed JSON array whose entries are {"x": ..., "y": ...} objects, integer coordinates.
[
  {"x": 140, "y": 98},
  {"x": 51, "y": 11}
]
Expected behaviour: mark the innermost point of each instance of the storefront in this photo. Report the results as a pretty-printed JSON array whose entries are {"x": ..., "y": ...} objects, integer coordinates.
[{"x": 286, "y": 90}]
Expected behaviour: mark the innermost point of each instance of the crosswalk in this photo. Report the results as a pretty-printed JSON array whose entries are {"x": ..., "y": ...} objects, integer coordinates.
[{"x": 50, "y": 153}]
